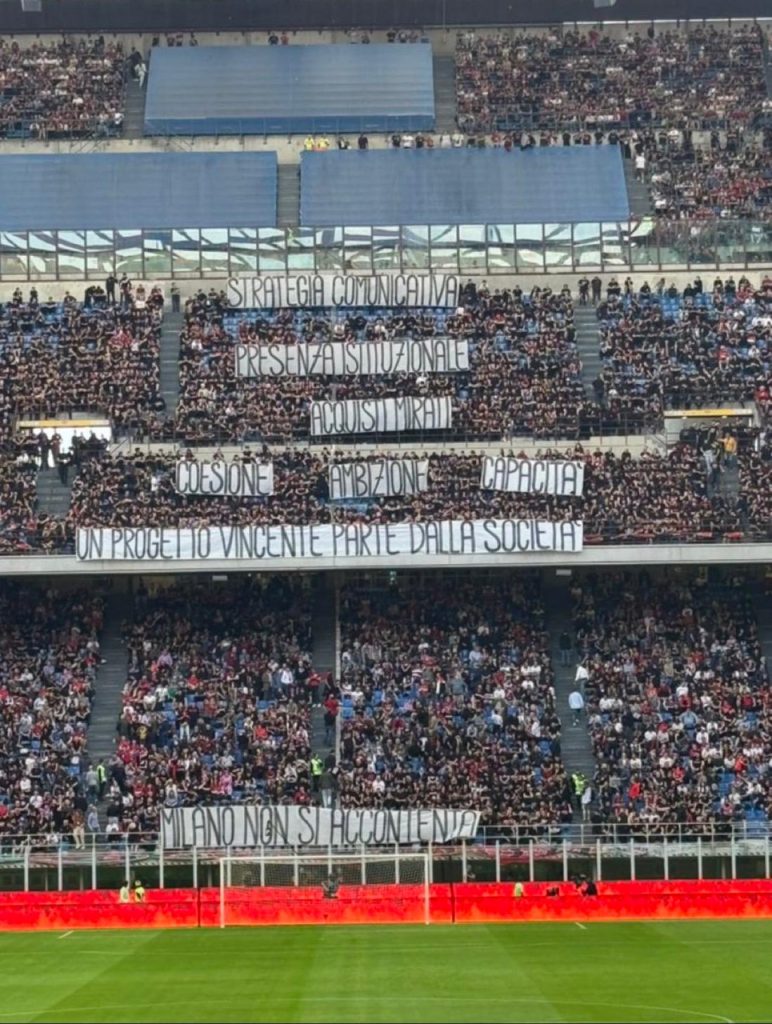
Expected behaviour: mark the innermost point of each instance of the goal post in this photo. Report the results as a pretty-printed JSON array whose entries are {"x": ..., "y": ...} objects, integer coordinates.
[{"x": 329, "y": 873}]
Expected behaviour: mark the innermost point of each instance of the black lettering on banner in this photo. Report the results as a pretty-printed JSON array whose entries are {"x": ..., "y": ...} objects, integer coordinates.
[
  {"x": 468, "y": 538},
  {"x": 203, "y": 542},
  {"x": 306, "y": 835},
  {"x": 250, "y": 835},
  {"x": 544, "y": 536},
  {"x": 236, "y": 292},
  {"x": 199, "y": 827},
  {"x": 439, "y": 827},
  {"x": 317, "y": 421},
  {"x": 468, "y": 824},
  {"x": 491, "y": 540},
  {"x": 569, "y": 536},
  {"x": 170, "y": 831},
  {"x": 227, "y": 826},
  {"x": 337, "y": 827},
  {"x": 392, "y": 827},
  {"x": 417, "y": 538}
]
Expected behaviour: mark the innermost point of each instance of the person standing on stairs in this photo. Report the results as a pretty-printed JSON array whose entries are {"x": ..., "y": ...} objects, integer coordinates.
[
  {"x": 566, "y": 645},
  {"x": 576, "y": 704},
  {"x": 597, "y": 285},
  {"x": 101, "y": 772}
]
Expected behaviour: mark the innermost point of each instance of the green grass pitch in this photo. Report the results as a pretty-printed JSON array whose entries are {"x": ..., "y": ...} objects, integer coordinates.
[{"x": 691, "y": 972}]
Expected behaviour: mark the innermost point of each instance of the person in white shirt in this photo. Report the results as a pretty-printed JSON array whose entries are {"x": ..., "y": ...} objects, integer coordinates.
[{"x": 576, "y": 704}]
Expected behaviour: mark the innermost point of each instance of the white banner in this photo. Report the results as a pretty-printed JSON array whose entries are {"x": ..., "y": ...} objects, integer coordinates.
[
  {"x": 380, "y": 415},
  {"x": 326, "y": 540},
  {"x": 294, "y": 825},
  {"x": 281, "y": 291},
  {"x": 225, "y": 479},
  {"x": 383, "y": 478},
  {"x": 344, "y": 359},
  {"x": 532, "y": 476}
]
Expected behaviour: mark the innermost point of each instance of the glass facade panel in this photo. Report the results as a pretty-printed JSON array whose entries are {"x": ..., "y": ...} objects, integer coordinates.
[
  {"x": 530, "y": 247},
  {"x": 731, "y": 240},
  {"x": 502, "y": 252},
  {"x": 72, "y": 254},
  {"x": 300, "y": 248},
  {"x": 759, "y": 242},
  {"x": 472, "y": 247},
  {"x": 358, "y": 248},
  {"x": 13, "y": 254},
  {"x": 100, "y": 253},
  {"x": 587, "y": 246},
  {"x": 644, "y": 249},
  {"x": 329, "y": 249},
  {"x": 642, "y": 243},
  {"x": 214, "y": 251},
  {"x": 271, "y": 250},
  {"x": 42, "y": 254},
  {"x": 242, "y": 243},
  {"x": 673, "y": 242},
  {"x": 128, "y": 253},
  {"x": 186, "y": 256},
  {"x": 557, "y": 245},
  {"x": 386, "y": 248},
  {"x": 443, "y": 254},
  {"x": 158, "y": 253},
  {"x": 415, "y": 247},
  {"x": 614, "y": 245},
  {"x": 702, "y": 243}
]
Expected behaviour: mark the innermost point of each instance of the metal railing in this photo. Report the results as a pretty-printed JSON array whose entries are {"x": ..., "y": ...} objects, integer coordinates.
[{"x": 499, "y": 853}]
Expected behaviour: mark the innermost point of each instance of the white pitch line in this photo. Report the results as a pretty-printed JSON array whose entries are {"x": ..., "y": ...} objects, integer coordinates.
[
  {"x": 582, "y": 926},
  {"x": 66, "y": 934}
]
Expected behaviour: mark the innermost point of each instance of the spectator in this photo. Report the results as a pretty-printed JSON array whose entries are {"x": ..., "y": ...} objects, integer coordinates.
[{"x": 69, "y": 89}]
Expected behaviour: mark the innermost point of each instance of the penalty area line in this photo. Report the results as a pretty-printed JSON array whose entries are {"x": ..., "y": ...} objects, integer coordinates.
[
  {"x": 582, "y": 926},
  {"x": 66, "y": 934}
]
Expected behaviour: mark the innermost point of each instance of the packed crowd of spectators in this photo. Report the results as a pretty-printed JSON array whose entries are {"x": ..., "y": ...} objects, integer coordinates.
[
  {"x": 23, "y": 526},
  {"x": 677, "y": 696},
  {"x": 524, "y": 376},
  {"x": 49, "y": 653},
  {"x": 67, "y": 90},
  {"x": 57, "y": 358},
  {"x": 700, "y": 347},
  {"x": 706, "y": 77},
  {"x": 215, "y": 708},
  {"x": 755, "y": 485},
  {"x": 447, "y": 700},
  {"x": 700, "y": 182},
  {"x": 654, "y": 498}
]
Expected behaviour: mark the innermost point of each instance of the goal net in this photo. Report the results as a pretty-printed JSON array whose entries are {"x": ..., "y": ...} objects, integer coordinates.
[{"x": 331, "y": 874}]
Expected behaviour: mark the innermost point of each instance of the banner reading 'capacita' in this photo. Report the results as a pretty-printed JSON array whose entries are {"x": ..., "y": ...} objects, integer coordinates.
[{"x": 533, "y": 476}]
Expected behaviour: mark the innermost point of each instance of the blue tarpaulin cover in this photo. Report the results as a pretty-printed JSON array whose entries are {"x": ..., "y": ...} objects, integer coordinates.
[
  {"x": 463, "y": 186},
  {"x": 82, "y": 191},
  {"x": 226, "y": 90}
]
